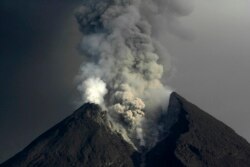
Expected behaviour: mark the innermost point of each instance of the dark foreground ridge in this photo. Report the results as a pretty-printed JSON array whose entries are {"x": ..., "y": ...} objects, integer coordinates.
[
  {"x": 83, "y": 139},
  {"x": 80, "y": 140}
]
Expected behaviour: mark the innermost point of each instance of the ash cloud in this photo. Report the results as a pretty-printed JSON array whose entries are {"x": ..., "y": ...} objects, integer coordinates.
[
  {"x": 93, "y": 90},
  {"x": 127, "y": 61}
]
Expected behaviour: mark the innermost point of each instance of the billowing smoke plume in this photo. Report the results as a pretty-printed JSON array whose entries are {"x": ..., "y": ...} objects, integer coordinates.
[
  {"x": 124, "y": 60},
  {"x": 93, "y": 90}
]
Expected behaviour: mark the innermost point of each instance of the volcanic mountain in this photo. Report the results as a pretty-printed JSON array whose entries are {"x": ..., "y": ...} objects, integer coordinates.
[{"x": 84, "y": 140}]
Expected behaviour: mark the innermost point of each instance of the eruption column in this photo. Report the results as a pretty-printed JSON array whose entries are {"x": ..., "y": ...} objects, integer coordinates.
[{"x": 121, "y": 70}]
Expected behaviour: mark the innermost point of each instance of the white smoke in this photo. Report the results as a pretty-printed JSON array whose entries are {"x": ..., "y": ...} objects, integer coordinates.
[
  {"x": 93, "y": 91},
  {"x": 122, "y": 50}
]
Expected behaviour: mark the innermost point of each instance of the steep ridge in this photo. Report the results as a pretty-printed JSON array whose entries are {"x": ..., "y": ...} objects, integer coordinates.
[
  {"x": 197, "y": 139},
  {"x": 82, "y": 139},
  {"x": 209, "y": 142},
  {"x": 192, "y": 138}
]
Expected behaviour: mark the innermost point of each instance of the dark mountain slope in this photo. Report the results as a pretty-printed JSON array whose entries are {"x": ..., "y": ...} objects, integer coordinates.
[
  {"x": 194, "y": 139},
  {"x": 82, "y": 139},
  {"x": 197, "y": 139},
  {"x": 209, "y": 142}
]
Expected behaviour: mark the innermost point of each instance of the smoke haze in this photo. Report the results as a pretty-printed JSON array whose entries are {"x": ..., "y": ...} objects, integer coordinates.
[
  {"x": 122, "y": 50},
  {"x": 93, "y": 90},
  {"x": 38, "y": 63}
]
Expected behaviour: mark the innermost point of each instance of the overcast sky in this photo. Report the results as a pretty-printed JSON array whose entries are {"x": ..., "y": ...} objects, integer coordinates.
[
  {"x": 39, "y": 60},
  {"x": 213, "y": 69}
]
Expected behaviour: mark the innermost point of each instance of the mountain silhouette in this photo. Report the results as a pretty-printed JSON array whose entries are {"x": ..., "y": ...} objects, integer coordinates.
[{"x": 194, "y": 139}]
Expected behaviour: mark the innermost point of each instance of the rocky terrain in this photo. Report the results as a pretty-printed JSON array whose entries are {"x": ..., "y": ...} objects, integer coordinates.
[{"x": 194, "y": 139}]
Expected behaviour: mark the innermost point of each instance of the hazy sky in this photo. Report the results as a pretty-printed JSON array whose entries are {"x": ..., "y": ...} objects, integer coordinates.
[
  {"x": 213, "y": 69},
  {"x": 38, "y": 62}
]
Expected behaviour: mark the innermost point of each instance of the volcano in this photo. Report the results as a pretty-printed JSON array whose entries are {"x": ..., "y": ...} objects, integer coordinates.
[{"x": 84, "y": 140}]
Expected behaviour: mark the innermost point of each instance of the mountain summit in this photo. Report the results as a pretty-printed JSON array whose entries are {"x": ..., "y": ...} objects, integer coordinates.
[{"x": 84, "y": 139}]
